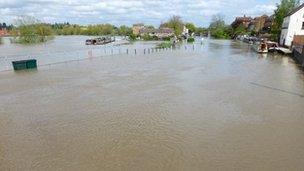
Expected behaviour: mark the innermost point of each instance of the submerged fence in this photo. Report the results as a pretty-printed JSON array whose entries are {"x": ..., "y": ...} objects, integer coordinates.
[{"x": 50, "y": 58}]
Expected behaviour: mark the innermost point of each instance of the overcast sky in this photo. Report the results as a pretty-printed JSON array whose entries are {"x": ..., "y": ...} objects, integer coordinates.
[{"x": 127, "y": 12}]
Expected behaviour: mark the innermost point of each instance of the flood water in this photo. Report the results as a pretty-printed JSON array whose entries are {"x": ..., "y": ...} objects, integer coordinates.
[
  {"x": 219, "y": 106},
  {"x": 63, "y": 49}
]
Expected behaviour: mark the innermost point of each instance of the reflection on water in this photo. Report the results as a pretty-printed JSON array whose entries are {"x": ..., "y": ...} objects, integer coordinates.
[{"x": 218, "y": 107}]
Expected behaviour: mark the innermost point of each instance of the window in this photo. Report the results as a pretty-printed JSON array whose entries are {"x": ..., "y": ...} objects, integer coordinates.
[{"x": 302, "y": 25}]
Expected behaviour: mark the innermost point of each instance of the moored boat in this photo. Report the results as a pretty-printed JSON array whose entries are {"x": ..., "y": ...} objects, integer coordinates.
[
  {"x": 272, "y": 46},
  {"x": 99, "y": 41},
  {"x": 261, "y": 47}
]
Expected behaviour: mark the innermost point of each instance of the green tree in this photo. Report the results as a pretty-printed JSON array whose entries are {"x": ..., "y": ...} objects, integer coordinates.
[
  {"x": 191, "y": 27},
  {"x": 219, "y": 29},
  {"x": 101, "y": 29},
  {"x": 217, "y": 22},
  {"x": 201, "y": 31},
  {"x": 43, "y": 30},
  {"x": 240, "y": 30},
  {"x": 124, "y": 30},
  {"x": 175, "y": 23},
  {"x": 107, "y": 29},
  {"x": 283, "y": 9},
  {"x": 31, "y": 30}
]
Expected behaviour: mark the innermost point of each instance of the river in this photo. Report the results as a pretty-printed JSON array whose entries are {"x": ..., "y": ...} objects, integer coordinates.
[
  {"x": 63, "y": 49},
  {"x": 212, "y": 106}
]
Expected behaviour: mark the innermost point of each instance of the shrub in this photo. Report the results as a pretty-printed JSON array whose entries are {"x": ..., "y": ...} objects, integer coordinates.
[
  {"x": 132, "y": 37},
  {"x": 35, "y": 33},
  {"x": 166, "y": 44},
  {"x": 147, "y": 37},
  {"x": 190, "y": 40}
]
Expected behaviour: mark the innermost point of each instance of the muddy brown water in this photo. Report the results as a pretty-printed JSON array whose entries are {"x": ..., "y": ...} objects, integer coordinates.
[{"x": 219, "y": 107}]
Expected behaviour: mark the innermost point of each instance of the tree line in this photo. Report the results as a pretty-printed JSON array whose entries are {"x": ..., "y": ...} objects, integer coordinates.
[
  {"x": 5, "y": 26},
  {"x": 30, "y": 30}
]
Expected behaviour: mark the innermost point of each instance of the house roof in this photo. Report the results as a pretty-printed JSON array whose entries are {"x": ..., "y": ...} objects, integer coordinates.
[{"x": 295, "y": 10}]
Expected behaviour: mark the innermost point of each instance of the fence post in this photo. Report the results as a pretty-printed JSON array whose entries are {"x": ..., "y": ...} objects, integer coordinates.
[
  {"x": 135, "y": 51},
  {"x": 127, "y": 51},
  {"x": 144, "y": 51}
]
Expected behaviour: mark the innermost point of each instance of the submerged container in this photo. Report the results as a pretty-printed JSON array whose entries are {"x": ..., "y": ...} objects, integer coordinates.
[{"x": 25, "y": 64}]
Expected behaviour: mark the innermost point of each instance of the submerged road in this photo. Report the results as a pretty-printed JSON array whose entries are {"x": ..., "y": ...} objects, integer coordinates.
[{"x": 220, "y": 107}]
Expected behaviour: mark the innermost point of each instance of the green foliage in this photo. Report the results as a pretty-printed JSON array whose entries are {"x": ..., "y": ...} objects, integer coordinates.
[
  {"x": 201, "y": 31},
  {"x": 124, "y": 31},
  {"x": 283, "y": 9},
  {"x": 175, "y": 23},
  {"x": 1, "y": 41},
  {"x": 217, "y": 22},
  {"x": 147, "y": 37},
  {"x": 43, "y": 30},
  {"x": 101, "y": 29},
  {"x": 218, "y": 28},
  {"x": 166, "y": 44},
  {"x": 29, "y": 30},
  {"x": 132, "y": 37},
  {"x": 190, "y": 40},
  {"x": 93, "y": 30},
  {"x": 220, "y": 33},
  {"x": 166, "y": 38},
  {"x": 191, "y": 27},
  {"x": 253, "y": 33},
  {"x": 240, "y": 30},
  {"x": 70, "y": 30},
  {"x": 34, "y": 33}
]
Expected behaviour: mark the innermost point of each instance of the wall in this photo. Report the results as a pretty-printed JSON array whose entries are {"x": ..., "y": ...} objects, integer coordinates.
[
  {"x": 294, "y": 27},
  {"x": 299, "y": 57}
]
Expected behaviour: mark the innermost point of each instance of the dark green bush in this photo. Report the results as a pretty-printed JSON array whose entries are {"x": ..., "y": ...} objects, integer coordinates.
[{"x": 190, "y": 40}]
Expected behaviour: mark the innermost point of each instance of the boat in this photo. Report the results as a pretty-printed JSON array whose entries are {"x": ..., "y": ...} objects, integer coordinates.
[
  {"x": 261, "y": 47},
  {"x": 99, "y": 41},
  {"x": 272, "y": 46}
]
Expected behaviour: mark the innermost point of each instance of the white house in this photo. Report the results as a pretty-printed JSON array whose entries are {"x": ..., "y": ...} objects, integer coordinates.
[{"x": 293, "y": 25}]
